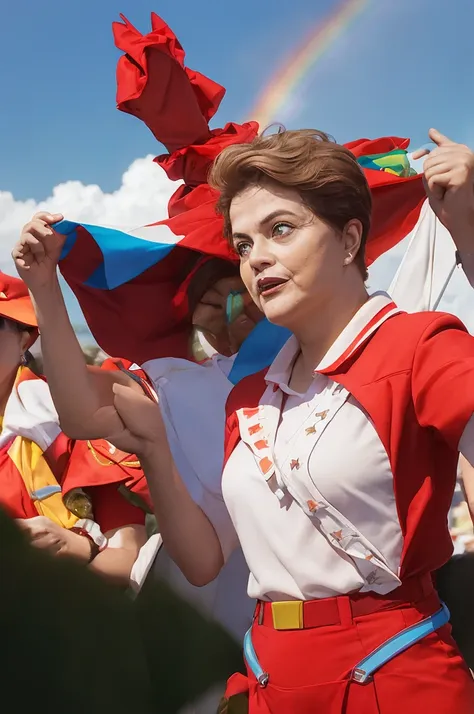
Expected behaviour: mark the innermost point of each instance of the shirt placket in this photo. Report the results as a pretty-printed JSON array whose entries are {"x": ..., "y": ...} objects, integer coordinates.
[{"x": 338, "y": 530}]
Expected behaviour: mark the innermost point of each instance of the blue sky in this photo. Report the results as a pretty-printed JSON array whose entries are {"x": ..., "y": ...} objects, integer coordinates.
[{"x": 403, "y": 65}]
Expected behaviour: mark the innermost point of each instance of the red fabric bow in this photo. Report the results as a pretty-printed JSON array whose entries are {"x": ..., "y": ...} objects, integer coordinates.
[{"x": 154, "y": 85}]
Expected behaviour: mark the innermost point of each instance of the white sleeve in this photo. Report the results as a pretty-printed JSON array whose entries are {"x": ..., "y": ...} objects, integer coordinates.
[{"x": 192, "y": 402}]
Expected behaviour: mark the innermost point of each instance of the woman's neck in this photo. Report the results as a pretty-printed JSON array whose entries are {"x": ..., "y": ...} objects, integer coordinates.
[
  {"x": 317, "y": 336},
  {"x": 6, "y": 386}
]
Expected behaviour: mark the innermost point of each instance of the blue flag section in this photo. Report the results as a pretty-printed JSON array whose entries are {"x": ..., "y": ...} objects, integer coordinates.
[{"x": 259, "y": 350}]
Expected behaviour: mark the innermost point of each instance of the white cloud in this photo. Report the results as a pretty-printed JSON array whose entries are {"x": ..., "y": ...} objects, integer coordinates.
[{"x": 141, "y": 198}]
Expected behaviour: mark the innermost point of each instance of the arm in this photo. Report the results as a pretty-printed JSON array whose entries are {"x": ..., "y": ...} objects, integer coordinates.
[
  {"x": 449, "y": 180},
  {"x": 197, "y": 539},
  {"x": 83, "y": 396},
  {"x": 187, "y": 533},
  {"x": 116, "y": 561}
]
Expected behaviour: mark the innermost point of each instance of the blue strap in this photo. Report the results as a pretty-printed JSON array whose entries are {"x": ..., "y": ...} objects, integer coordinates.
[
  {"x": 45, "y": 492},
  {"x": 374, "y": 661},
  {"x": 252, "y": 661},
  {"x": 398, "y": 644}
]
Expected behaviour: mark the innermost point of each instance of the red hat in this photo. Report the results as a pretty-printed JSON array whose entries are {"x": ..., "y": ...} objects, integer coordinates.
[
  {"x": 16, "y": 305},
  {"x": 15, "y": 301}
]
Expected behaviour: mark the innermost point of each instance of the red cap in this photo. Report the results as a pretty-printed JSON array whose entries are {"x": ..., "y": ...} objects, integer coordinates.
[{"x": 15, "y": 301}]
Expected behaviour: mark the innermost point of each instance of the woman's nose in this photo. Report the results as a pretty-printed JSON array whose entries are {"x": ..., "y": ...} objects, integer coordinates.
[{"x": 260, "y": 256}]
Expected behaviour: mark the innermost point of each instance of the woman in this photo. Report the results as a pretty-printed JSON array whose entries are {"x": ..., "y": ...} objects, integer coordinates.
[
  {"x": 51, "y": 485},
  {"x": 340, "y": 555}
]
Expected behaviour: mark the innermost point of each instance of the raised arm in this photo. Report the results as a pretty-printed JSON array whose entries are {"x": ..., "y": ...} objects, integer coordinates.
[
  {"x": 99, "y": 404},
  {"x": 449, "y": 180},
  {"x": 83, "y": 396}
]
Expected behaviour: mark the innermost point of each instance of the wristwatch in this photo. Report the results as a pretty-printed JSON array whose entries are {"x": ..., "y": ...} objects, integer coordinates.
[
  {"x": 94, "y": 548},
  {"x": 91, "y": 530}
]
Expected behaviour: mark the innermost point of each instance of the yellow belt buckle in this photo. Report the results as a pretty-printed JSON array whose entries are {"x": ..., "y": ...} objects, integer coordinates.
[{"x": 288, "y": 615}]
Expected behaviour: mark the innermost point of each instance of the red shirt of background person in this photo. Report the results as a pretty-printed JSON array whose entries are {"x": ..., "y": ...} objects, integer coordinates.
[{"x": 76, "y": 467}]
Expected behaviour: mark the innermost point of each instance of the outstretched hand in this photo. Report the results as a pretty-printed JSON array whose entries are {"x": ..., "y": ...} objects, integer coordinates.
[
  {"x": 37, "y": 252},
  {"x": 449, "y": 181}
]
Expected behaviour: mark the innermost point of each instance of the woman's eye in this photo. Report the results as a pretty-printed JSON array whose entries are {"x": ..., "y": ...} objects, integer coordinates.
[
  {"x": 243, "y": 248},
  {"x": 281, "y": 229}
]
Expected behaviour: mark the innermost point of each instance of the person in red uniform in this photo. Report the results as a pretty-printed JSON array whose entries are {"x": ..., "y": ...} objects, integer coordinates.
[
  {"x": 64, "y": 494},
  {"x": 341, "y": 458},
  {"x": 350, "y": 439}
]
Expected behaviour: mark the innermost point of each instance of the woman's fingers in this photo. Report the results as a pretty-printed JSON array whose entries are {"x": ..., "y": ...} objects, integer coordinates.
[{"x": 419, "y": 153}]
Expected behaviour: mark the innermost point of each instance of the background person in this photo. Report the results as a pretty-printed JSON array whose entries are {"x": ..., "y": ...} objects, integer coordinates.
[{"x": 53, "y": 486}]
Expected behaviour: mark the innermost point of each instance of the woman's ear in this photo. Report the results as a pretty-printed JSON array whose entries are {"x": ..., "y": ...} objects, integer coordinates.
[{"x": 352, "y": 237}]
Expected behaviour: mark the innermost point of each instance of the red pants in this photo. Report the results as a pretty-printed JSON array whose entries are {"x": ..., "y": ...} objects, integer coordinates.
[{"x": 310, "y": 669}]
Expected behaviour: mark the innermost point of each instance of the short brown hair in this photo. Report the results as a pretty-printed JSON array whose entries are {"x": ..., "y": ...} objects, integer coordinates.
[{"x": 325, "y": 174}]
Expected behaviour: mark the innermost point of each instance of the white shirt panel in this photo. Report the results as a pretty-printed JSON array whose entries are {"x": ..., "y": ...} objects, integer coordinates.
[
  {"x": 288, "y": 556},
  {"x": 192, "y": 399}
]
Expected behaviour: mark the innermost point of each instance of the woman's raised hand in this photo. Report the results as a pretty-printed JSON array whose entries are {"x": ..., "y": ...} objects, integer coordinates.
[
  {"x": 449, "y": 180},
  {"x": 37, "y": 252}
]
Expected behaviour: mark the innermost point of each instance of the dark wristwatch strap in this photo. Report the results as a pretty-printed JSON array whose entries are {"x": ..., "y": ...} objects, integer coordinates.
[{"x": 94, "y": 548}]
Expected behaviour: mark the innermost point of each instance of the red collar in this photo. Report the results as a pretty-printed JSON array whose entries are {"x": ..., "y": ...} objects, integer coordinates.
[{"x": 379, "y": 308}]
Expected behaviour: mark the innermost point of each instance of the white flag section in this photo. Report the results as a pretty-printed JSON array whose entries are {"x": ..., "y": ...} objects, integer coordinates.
[{"x": 426, "y": 267}]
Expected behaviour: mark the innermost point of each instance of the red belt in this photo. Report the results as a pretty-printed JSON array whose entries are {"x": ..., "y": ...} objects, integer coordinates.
[{"x": 298, "y": 614}]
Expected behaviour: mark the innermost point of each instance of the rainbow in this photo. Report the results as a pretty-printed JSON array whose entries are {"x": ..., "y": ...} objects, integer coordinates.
[{"x": 281, "y": 87}]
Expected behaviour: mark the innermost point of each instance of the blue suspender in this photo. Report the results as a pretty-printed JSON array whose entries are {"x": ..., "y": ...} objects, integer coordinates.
[
  {"x": 364, "y": 670},
  {"x": 252, "y": 660},
  {"x": 398, "y": 644}
]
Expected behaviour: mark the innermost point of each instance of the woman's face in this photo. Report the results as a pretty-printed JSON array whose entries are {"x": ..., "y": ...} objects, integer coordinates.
[
  {"x": 210, "y": 316},
  {"x": 290, "y": 261}
]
